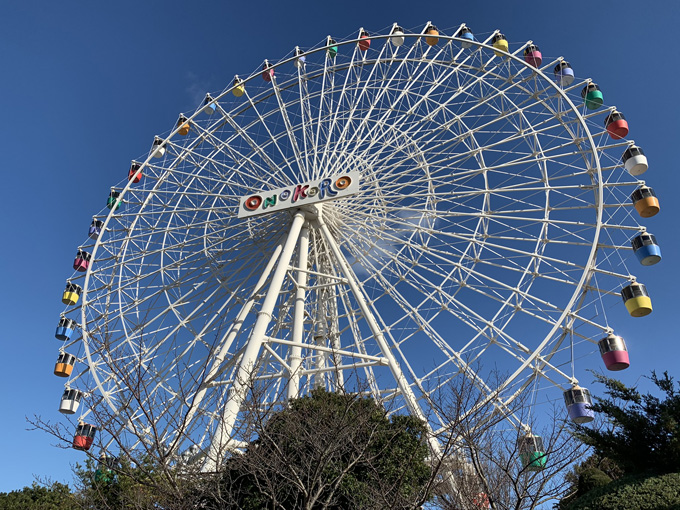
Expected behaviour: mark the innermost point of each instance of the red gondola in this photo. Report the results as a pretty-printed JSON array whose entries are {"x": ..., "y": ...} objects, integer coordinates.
[
  {"x": 82, "y": 261},
  {"x": 267, "y": 71},
  {"x": 132, "y": 173},
  {"x": 616, "y": 125},
  {"x": 364, "y": 41},
  {"x": 533, "y": 56},
  {"x": 84, "y": 436},
  {"x": 614, "y": 352}
]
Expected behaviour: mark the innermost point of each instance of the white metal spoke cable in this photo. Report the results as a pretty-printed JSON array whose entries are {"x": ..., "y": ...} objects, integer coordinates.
[{"x": 491, "y": 226}]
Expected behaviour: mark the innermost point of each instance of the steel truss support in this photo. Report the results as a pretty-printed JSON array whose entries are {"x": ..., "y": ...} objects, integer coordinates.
[
  {"x": 299, "y": 234},
  {"x": 399, "y": 377},
  {"x": 220, "y": 440},
  {"x": 295, "y": 352}
]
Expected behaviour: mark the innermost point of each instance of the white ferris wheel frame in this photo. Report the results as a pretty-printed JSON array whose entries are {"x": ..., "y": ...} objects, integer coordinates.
[{"x": 311, "y": 218}]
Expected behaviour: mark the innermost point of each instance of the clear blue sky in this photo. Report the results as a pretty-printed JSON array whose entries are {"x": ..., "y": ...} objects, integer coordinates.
[{"x": 86, "y": 86}]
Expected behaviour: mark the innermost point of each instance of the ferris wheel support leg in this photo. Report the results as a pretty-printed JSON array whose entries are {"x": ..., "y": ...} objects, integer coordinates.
[
  {"x": 299, "y": 314},
  {"x": 402, "y": 383},
  {"x": 242, "y": 378},
  {"x": 335, "y": 340},
  {"x": 320, "y": 340},
  {"x": 229, "y": 337}
]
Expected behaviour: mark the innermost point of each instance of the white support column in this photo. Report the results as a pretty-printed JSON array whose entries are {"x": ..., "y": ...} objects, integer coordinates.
[
  {"x": 242, "y": 378},
  {"x": 334, "y": 336},
  {"x": 295, "y": 351},
  {"x": 402, "y": 383},
  {"x": 229, "y": 337},
  {"x": 320, "y": 332}
]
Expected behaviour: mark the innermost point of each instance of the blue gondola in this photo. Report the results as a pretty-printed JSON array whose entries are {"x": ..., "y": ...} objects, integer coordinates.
[
  {"x": 578, "y": 401},
  {"x": 209, "y": 106},
  {"x": 300, "y": 58},
  {"x": 65, "y": 329},
  {"x": 646, "y": 249},
  {"x": 95, "y": 229},
  {"x": 564, "y": 74},
  {"x": 466, "y": 33}
]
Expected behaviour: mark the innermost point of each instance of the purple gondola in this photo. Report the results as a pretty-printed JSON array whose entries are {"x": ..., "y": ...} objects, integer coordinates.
[{"x": 578, "y": 401}]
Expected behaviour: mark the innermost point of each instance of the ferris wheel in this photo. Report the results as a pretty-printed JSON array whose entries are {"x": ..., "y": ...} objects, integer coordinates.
[{"x": 396, "y": 210}]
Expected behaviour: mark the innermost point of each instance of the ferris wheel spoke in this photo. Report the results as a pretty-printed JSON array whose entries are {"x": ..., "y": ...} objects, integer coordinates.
[
  {"x": 424, "y": 324},
  {"x": 275, "y": 172},
  {"x": 534, "y": 129},
  {"x": 307, "y": 120},
  {"x": 325, "y": 104},
  {"x": 486, "y": 280},
  {"x": 303, "y": 171},
  {"x": 334, "y": 117},
  {"x": 411, "y": 79},
  {"x": 360, "y": 95},
  {"x": 229, "y": 172},
  {"x": 393, "y": 77}
]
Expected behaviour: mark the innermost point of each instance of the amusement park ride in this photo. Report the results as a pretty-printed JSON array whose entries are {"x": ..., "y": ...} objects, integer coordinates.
[{"x": 391, "y": 208}]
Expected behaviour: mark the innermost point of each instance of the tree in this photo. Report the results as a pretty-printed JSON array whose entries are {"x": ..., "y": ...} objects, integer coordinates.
[
  {"x": 489, "y": 471},
  {"x": 594, "y": 462},
  {"x": 330, "y": 451},
  {"x": 632, "y": 492},
  {"x": 482, "y": 452},
  {"x": 643, "y": 432},
  {"x": 125, "y": 483},
  {"x": 53, "y": 496}
]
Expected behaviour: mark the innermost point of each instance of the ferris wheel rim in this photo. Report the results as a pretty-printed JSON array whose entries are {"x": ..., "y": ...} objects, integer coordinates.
[{"x": 576, "y": 294}]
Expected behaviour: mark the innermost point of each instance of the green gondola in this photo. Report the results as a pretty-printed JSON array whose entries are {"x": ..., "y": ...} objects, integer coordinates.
[{"x": 532, "y": 453}]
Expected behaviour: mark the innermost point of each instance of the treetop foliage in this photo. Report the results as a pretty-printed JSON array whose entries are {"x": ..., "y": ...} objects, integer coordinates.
[
  {"x": 56, "y": 496},
  {"x": 633, "y": 492},
  {"x": 334, "y": 451}
]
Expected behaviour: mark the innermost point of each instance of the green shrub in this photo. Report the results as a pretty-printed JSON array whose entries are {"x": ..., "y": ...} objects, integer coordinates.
[
  {"x": 637, "y": 492},
  {"x": 590, "y": 479}
]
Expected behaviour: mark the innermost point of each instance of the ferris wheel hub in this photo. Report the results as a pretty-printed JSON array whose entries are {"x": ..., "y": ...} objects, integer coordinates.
[{"x": 313, "y": 211}]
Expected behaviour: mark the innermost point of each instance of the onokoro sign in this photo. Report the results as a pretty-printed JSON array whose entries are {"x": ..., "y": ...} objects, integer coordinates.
[{"x": 312, "y": 192}]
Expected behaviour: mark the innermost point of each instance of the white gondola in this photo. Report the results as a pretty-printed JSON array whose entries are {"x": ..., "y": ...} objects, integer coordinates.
[
  {"x": 158, "y": 148},
  {"x": 397, "y": 37},
  {"x": 70, "y": 401},
  {"x": 635, "y": 161}
]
